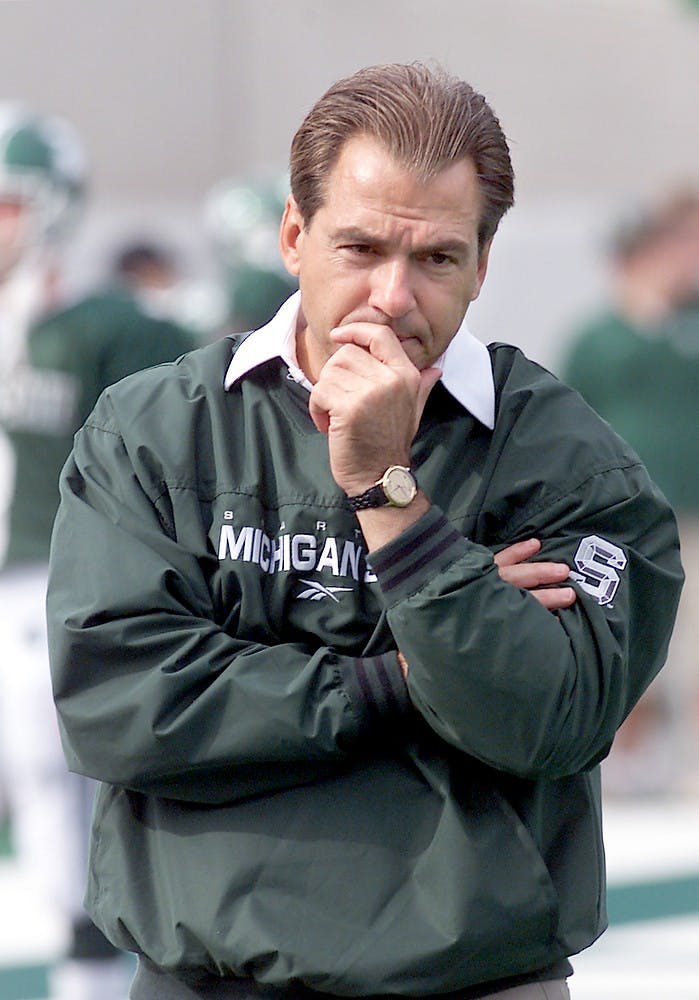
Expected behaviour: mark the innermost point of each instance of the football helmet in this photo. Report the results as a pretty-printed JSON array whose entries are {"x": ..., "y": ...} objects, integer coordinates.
[
  {"x": 242, "y": 219},
  {"x": 43, "y": 171}
]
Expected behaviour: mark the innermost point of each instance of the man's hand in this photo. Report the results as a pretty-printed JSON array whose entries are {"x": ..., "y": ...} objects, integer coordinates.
[
  {"x": 368, "y": 399},
  {"x": 541, "y": 579}
]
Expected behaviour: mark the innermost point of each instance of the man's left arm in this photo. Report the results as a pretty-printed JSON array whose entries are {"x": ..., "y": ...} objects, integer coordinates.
[{"x": 495, "y": 673}]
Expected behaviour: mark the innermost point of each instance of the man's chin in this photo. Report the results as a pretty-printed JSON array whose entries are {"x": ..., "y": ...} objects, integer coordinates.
[{"x": 415, "y": 352}]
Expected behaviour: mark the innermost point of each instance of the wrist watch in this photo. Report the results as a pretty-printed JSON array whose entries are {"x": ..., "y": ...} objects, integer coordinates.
[{"x": 396, "y": 488}]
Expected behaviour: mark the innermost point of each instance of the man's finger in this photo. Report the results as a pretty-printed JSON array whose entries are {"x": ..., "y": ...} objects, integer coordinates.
[
  {"x": 379, "y": 340},
  {"x": 518, "y": 552},
  {"x": 534, "y": 574},
  {"x": 555, "y": 598}
]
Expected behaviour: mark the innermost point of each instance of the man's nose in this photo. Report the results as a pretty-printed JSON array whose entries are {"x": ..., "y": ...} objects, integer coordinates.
[{"x": 392, "y": 290}]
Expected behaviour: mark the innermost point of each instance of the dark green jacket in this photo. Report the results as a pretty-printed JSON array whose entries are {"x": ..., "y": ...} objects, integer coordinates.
[{"x": 276, "y": 802}]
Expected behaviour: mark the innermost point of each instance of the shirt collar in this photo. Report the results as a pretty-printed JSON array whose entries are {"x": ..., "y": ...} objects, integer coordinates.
[{"x": 466, "y": 371}]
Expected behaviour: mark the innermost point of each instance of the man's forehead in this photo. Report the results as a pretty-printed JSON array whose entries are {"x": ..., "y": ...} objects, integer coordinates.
[{"x": 371, "y": 191}]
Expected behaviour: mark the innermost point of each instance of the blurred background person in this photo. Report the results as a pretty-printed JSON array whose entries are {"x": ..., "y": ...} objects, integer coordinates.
[
  {"x": 55, "y": 358},
  {"x": 42, "y": 183},
  {"x": 242, "y": 219},
  {"x": 152, "y": 271},
  {"x": 148, "y": 268},
  {"x": 41, "y": 196},
  {"x": 637, "y": 364}
]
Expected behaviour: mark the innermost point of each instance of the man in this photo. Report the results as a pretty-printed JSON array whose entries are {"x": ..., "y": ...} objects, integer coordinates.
[
  {"x": 348, "y": 723},
  {"x": 637, "y": 364},
  {"x": 56, "y": 358}
]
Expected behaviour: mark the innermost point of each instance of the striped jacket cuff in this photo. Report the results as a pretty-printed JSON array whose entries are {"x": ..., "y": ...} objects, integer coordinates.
[
  {"x": 407, "y": 562},
  {"x": 377, "y": 684}
]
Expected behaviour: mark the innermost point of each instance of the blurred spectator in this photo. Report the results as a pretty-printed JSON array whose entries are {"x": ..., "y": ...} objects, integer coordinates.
[
  {"x": 637, "y": 364},
  {"x": 153, "y": 273},
  {"x": 243, "y": 220},
  {"x": 55, "y": 359},
  {"x": 146, "y": 266}
]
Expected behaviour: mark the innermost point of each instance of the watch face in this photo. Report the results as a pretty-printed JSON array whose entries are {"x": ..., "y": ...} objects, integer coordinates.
[{"x": 399, "y": 486}]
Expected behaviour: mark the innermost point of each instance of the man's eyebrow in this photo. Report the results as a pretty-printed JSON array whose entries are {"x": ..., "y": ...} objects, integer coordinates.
[
  {"x": 351, "y": 234},
  {"x": 451, "y": 245}
]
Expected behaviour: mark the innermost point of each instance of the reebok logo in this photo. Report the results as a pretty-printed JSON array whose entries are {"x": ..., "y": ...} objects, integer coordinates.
[{"x": 315, "y": 591}]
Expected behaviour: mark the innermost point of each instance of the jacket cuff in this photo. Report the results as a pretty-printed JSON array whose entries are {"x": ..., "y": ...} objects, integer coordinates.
[
  {"x": 377, "y": 684},
  {"x": 426, "y": 548}
]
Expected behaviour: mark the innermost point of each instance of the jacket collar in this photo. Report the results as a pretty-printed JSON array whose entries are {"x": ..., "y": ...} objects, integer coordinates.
[{"x": 466, "y": 371}]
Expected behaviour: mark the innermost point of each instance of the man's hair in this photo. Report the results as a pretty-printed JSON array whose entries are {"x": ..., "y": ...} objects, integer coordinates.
[{"x": 426, "y": 120}]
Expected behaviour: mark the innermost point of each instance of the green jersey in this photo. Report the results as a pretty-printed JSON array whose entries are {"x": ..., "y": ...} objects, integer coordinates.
[
  {"x": 645, "y": 383},
  {"x": 69, "y": 358}
]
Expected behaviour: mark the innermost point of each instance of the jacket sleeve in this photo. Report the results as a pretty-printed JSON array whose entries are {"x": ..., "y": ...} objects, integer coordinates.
[
  {"x": 520, "y": 688},
  {"x": 151, "y": 693}
]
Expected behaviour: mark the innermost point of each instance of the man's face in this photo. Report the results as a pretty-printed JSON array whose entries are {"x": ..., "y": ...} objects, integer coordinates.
[{"x": 389, "y": 249}]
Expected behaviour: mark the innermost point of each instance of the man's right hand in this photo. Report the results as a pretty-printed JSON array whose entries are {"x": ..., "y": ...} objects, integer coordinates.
[
  {"x": 368, "y": 399},
  {"x": 541, "y": 579}
]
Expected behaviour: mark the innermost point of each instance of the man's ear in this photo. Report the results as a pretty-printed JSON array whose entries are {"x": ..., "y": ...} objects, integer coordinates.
[
  {"x": 482, "y": 268},
  {"x": 291, "y": 235}
]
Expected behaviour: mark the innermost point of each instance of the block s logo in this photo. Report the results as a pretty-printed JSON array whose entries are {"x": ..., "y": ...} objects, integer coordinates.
[{"x": 598, "y": 563}]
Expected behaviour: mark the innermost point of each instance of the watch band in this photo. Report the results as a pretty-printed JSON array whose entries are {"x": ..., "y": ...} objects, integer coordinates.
[{"x": 373, "y": 497}]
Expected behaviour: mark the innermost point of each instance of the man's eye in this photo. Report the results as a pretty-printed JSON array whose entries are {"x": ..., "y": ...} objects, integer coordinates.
[
  {"x": 436, "y": 258},
  {"x": 440, "y": 259},
  {"x": 360, "y": 248}
]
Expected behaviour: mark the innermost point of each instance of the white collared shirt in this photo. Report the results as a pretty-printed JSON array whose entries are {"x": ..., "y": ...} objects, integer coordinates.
[{"x": 466, "y": 371}]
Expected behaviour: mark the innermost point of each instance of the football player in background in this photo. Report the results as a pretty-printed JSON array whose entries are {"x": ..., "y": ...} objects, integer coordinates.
[
  {"x": 242, "y": 218},
  {"x": 636, "y": 361},
  {"x": 55, "y": 358}
]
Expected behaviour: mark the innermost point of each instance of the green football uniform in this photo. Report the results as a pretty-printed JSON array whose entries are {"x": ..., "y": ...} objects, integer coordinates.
[{"x": 70, "y": 356}]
